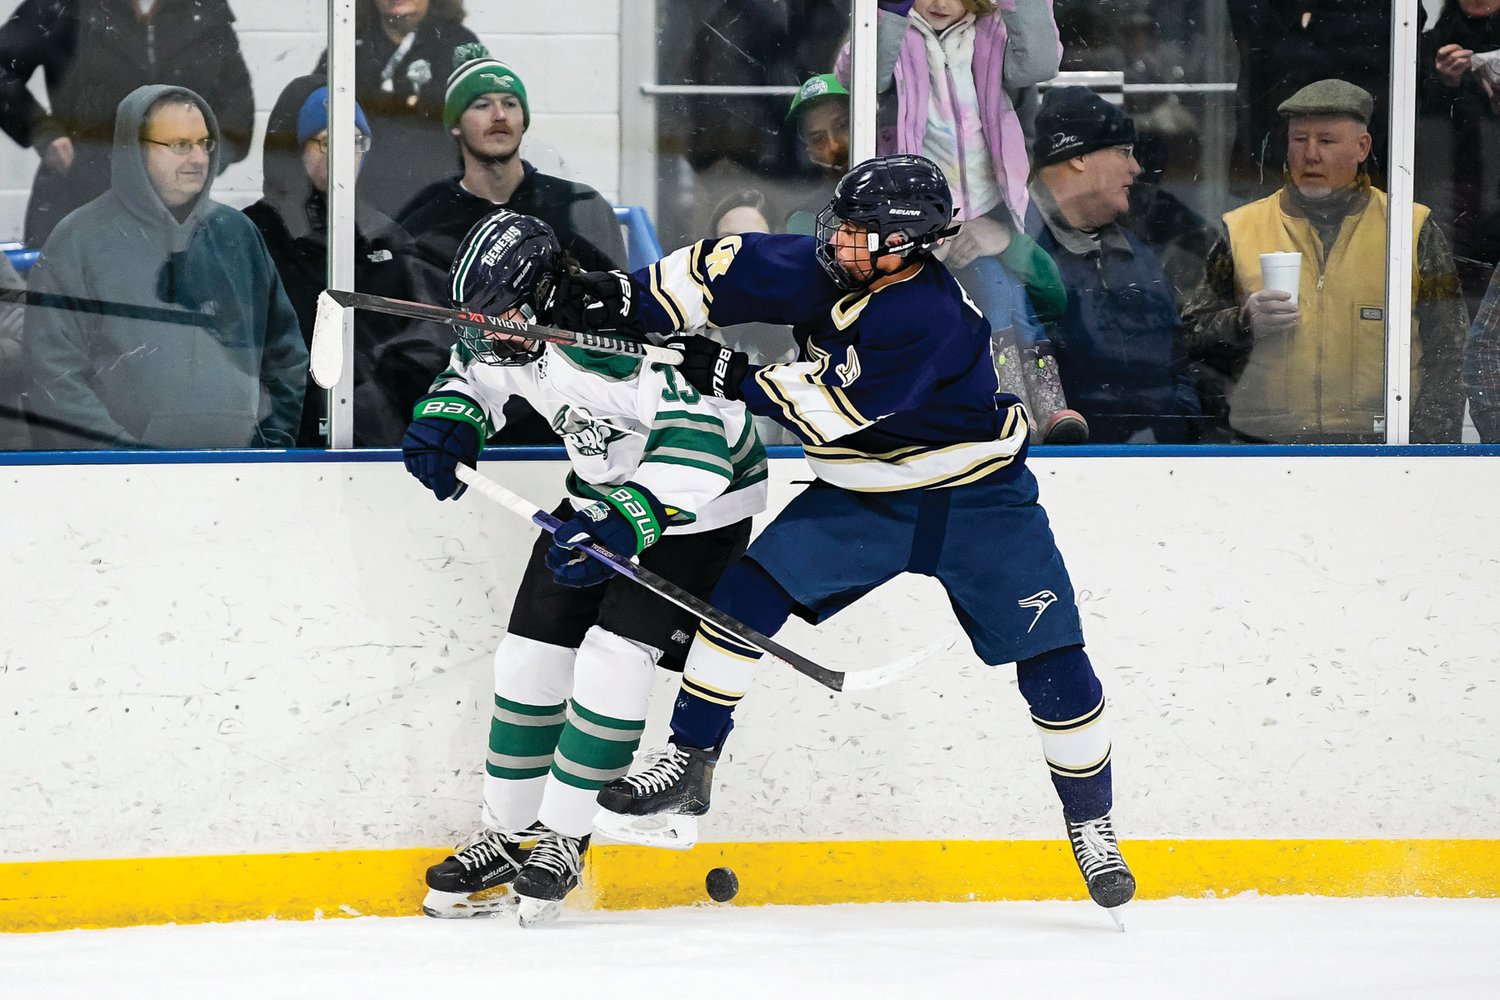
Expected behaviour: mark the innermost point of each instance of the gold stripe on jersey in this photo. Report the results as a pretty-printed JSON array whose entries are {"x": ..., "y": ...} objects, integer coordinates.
[
  {"x": 847, "y": 309},
  {"x": 665, "y": 299},
  {"x": 948, "y": 466},
  {"x": 780, "y": 398},
  {"x": 678, "y": 289},
  {"x": 816, "y": 409},
  {"x": 697, "y": 273}
]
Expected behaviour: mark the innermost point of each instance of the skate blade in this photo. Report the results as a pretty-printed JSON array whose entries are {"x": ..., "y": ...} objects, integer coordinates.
[
  {"x": 668, "y": 830},
  {"x": 538, "y": 912},
  {"x": 495, "y": 902},
  {"x": 1114, "y": 914}
]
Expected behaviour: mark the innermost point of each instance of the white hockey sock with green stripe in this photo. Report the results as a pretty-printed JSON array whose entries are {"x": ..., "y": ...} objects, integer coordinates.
[
  {"x": 532, "y": 683},
  {"x": 605, "y": 719}
]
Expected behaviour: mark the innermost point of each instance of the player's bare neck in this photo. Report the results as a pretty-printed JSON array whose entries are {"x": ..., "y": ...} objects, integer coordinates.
[
  {"x": 908, "y": 271},
  {"x": 495, "y": 180}
]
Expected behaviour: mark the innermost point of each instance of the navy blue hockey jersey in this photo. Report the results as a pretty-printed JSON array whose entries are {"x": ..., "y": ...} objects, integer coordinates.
[{"x": 892, "y": 390}]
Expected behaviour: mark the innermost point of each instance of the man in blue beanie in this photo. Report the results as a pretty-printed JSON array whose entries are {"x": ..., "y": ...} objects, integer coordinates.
[{"x": 293, "y": 219}]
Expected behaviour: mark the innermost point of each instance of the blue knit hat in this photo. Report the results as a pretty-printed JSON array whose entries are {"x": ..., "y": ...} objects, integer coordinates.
[{"x": 313, "y": 118}]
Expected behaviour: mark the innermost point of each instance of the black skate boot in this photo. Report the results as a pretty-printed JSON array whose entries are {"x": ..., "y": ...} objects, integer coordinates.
[
  {"x": 552, "y": 871},
  {"x": 475, "y": 880},
  {"x": 660, "y": 806},
  {"x": 1098, "y": 855}
]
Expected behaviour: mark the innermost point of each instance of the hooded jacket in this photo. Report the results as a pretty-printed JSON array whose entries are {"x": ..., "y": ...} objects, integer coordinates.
[
  {"x": 393, "y": 359},
  {"x": 103, "y": 379}
]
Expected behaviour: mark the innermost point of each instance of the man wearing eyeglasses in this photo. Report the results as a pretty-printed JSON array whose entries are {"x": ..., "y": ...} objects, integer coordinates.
[
  {"x": 103, "y": 375},
  {"x": 1119, "y": 344}
]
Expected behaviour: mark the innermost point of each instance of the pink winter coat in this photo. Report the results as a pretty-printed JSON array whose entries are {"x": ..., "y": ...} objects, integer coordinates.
[{"x": 1001, "y": 125}]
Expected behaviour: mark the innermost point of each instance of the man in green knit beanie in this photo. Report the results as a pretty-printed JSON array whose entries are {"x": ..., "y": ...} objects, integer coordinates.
[{"x": 487, "y": 111}]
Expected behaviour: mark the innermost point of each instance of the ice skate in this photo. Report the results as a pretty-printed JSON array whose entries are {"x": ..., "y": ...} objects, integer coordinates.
[
  {"x": 660, "y": 805},
  {"x": 1104, "y": 870},
  {"x": 475, "y": 880},
  {"x": 550, "y": 873}
]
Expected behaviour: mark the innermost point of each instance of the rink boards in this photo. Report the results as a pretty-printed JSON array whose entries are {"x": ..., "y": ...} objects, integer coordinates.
[{"x": 236, "y": 690}]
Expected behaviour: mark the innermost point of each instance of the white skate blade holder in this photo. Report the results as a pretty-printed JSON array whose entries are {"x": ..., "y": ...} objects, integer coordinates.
[
  {"x": 669, "y": 830},
  {"x": 537, "y": 912},
  {"x": 496, "y": 902}
]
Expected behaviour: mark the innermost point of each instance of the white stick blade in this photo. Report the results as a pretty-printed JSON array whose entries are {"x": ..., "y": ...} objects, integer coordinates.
[{"x": 326, "y": 359}]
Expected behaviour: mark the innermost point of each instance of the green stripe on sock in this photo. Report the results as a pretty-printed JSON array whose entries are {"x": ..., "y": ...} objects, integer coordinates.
[{"x": 520, "y": 709}]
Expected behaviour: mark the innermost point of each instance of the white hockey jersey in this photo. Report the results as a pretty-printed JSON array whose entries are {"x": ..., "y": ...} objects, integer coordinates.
[{"x": 624, "y": 420}]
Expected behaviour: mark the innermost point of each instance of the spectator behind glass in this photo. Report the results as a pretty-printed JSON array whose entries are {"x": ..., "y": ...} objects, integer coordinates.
[
  {"x": 820, "y": 116},
  {"x": 488, "y": 112},
  {"x": 750, "y": 211},
  {"x": 156, "y": 239},
  {"x": 1459, "y": 85},
  {"x": 1284, "y": 45},
  {"x": 293, "y": 219},
  {"x": 1313, "y": 372},
  {"x": 748, "y": 43},
  {"x": 955, "y": 69},
  {"x": 92, "y": 54},
  {"x": 1179, "y": 236},
  {"x": 14, "y": 435},
  {"x": 403, "y": 50},
  {"x": 949, "y": 72},
  {"x": 1120, "y": 343}
]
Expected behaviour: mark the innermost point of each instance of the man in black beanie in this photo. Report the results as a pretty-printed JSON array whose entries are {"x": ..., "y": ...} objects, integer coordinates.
[{"x": 1119, "y": 346}]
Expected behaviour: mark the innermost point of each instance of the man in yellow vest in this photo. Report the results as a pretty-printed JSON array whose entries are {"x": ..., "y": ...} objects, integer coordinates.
[{"x": 1311, "y": 369}]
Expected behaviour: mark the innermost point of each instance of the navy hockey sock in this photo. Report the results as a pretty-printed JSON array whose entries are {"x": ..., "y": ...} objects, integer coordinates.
[
  {"x": 719, "y": 665},
  {"x": 1067, "y": 706}
]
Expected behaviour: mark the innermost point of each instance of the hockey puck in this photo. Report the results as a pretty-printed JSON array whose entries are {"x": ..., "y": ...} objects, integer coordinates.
[{"x": 722, "y": 884}]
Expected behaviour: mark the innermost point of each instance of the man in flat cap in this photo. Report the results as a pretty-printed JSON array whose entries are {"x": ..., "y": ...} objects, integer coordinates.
[
  {"x": 1310, "y": 369},
  {"x": 1119, "y": 343}
]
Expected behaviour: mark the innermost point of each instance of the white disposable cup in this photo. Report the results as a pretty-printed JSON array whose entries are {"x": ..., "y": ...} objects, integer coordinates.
[{"x": 1282, "y": 271}]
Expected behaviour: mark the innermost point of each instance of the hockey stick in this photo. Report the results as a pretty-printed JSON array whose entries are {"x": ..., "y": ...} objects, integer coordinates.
[
  {"x": 837, "y": 680},
  {"x": 101, "y": 307},
  {"x": 327, "y": 355}
]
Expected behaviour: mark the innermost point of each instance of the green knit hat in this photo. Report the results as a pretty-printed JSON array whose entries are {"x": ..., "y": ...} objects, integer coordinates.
[{"x": 476, "y": 74}]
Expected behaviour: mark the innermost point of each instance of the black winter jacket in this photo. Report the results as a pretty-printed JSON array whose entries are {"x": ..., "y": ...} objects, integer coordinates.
[
  {"x": 409, "y": 146},
  {"x": 93, "y": 53},
  {"x": 393, "y": 359}
]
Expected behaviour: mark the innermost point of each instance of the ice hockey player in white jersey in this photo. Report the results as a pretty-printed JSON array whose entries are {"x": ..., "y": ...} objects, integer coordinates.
[{"x": 658, "y": 470}]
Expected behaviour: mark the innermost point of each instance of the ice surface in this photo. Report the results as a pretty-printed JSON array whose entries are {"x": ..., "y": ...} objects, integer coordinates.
[{"x": 1244, "y": 947}]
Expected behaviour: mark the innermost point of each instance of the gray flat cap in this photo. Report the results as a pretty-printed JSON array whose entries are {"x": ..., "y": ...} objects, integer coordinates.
[{"x": 1330, "y": 97}]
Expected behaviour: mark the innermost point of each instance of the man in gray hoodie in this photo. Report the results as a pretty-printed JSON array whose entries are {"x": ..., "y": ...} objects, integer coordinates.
[{"x": 233, "y": 375}]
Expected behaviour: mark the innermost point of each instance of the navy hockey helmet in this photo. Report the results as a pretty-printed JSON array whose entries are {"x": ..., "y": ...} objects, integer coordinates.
[
  {"x": 507, "y": 261},
  {"x": 886, "y": 196}
]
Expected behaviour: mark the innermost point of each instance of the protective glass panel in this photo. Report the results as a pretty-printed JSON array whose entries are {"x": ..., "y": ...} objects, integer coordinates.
[
  {"x": 1226, "y": 177},
  {"x": 152, "y": 316},
  {"x": 752, "y": 131},
  {"x": 1458, "y": 123}
]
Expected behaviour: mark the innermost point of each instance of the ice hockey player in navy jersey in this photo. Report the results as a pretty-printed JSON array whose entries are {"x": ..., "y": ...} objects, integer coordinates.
[
  {"x": 920, "y": 469},
  {"x": 658, "y": 470}
]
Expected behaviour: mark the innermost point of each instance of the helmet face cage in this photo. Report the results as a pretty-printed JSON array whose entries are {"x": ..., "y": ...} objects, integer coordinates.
[
  {"x": 506, "y": 262},
  {"x": 888, "y": 196}
]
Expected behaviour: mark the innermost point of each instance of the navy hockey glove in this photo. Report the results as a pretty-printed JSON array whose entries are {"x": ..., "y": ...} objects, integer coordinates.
[
  {"x": 626, "y": 521},
  {"x": 447, "y": 428},
  {"x": 592, "y": 300},
  {"x": 713, "y": 368}
]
